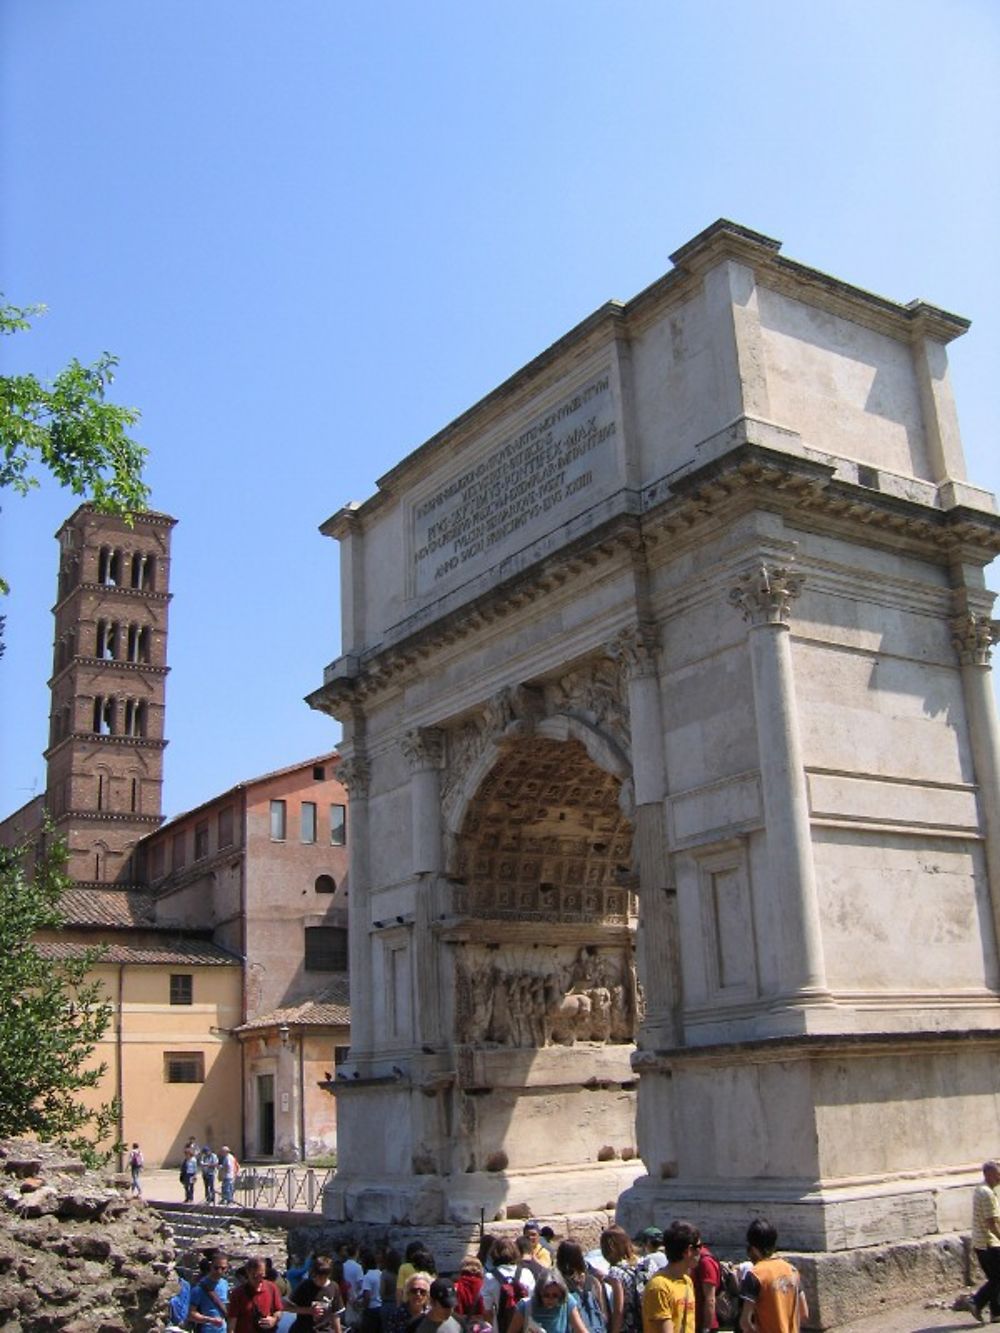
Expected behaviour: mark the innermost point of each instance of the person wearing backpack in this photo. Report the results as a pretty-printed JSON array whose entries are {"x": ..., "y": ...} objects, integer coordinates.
[
  {"x": 506, "y": 1283},
  {"x": 135, "y": 1165},
  {"x": 623, "y": 1278},
  {"x": 584, "y": 1285}
]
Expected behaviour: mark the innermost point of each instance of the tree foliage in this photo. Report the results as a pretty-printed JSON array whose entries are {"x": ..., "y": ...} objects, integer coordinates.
[
  {"x": 51, "y": 1016},
  {"x": 68, "y": 429}
]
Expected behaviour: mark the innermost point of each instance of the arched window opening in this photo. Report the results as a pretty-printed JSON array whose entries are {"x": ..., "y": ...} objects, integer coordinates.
[
  {"x": 142, "y": 570},
  {"x": 109, "y": 567},
  {"x": 138, "y": 643},
  {"x": 325, "y": 884},
  {"x": 135, "y": 718},
  {"x": 107, "y": 640},
  {"x": 104, "y": 716}
]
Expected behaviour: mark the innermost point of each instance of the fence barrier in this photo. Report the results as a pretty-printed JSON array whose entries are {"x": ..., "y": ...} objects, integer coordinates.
[{"x": 286, "y": 1188}]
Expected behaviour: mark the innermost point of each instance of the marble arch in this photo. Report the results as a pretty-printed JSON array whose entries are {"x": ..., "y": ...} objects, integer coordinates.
[{"x": 731, "y": 581}]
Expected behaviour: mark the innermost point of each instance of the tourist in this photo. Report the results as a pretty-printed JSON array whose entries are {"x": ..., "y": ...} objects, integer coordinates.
[
  {"x": 469, "y": 1289},
  {"x": 370, "y": 1291},
  {"x": 257, "y": 1303},
  {"x": 538, "y": 1252},
  {"x": 417, "y": 1258},
  {"x": 189, "y": 1170},
  {"x": 668, "y": 1304},
  {"x": 505, "y": 1283},
  {"x": 208, "y": 1164},
  {"x": 622, "y": 1279},
  {"x": 413, "y": 1302},
  {"x": 353, "y": 1273},
  {"x": 229, "y": 1169},
  {"x": 584, "y": 1285},
  {"x": 316, "y": 1301},
  {"x": 707, "y": 1279},
  {"x": 772, "y": 1295},
  {"x": 440, "y": 1316},
  {"x": 387, "y": 1289},
  {"x": 550, "y": 1307},
  {"x": 986, "y": 1243},
  {"x": 526, "y": 1250},
  {"x": 210, "y": 1295},
  {"x": 135, "y": 1165},
  {"x": 649, "y": 1244}
]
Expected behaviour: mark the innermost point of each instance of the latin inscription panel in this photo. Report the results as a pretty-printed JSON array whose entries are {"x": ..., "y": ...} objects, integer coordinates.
[{"x": 542, "y": 476}]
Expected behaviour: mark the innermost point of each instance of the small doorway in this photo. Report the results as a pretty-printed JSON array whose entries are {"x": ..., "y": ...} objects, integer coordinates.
[{"x": 265, "y": 1115}]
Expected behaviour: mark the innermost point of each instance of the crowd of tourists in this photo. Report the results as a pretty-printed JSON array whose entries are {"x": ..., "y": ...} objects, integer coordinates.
[
  {"x": 656, "y": 1282},
  {"x": 212, "y": 1167}
]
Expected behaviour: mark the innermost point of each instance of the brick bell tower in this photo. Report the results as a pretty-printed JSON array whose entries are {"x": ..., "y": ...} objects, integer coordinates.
[{"x": 108, "y": 686}]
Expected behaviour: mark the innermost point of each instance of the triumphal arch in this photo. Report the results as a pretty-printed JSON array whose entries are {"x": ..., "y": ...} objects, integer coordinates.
[{"x": 673, "y": 766}]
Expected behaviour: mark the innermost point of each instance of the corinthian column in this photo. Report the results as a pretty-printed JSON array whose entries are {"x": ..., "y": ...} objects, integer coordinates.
[
  {"x": 658, "y": 954},
  {"x": 974, "y": 637},
  {"x": 354, "y": 774},
  {"x": 424, "y": 750},
  {"x": 765, "y": 597}
]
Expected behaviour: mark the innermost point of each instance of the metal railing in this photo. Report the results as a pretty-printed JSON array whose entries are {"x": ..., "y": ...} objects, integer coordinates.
[{"x": 284, "y": 1188}]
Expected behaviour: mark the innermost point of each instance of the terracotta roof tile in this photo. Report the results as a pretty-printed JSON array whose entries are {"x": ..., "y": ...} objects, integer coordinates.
[
  {"x": 187, "y": 953},
  {"x": 107, "y": 907},
  {"x": 330, "y": 1007}
]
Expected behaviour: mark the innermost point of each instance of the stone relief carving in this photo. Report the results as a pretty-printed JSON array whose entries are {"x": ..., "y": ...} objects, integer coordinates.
[
  {"x": 765, "y": 595},
  {"x": 355, "y": 775},
  {"x": 594, "y": 694},
  {"x": 511, "y": 997},
  {"x": 635, "y": 647},
  {"x": 423, "y": 748}
]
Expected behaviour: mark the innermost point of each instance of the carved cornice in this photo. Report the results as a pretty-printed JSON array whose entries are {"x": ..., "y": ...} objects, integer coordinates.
[
  {"x": 765, "y": 594},
  {"x": 974, "y": 636},
  {"x": 423, "y": 749},
  {"x": 674, "y": 512}
]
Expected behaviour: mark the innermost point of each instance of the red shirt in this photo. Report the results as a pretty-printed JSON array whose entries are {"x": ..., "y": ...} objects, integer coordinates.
[
  {"x": 706, "y": 1270},
  {"x": 248, "y": 1306}
]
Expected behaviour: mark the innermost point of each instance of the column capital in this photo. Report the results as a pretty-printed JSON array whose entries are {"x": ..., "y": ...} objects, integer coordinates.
[
  {"x": 635, "y": 647},
  {"x": 973, "y": 637},
  {"x": 355, "y": 774},
  {"x": 765, "y": 594},
  {"x": 423, "y": 748}
]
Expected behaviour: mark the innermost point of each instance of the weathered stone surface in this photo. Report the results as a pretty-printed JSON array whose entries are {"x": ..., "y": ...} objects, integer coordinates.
[{"x": 76, "y": 1254}]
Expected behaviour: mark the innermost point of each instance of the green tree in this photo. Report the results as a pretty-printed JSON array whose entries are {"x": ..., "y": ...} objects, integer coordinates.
[
  {"x": 68, "y": 429},
  {"x": 51, "y": 1016}
]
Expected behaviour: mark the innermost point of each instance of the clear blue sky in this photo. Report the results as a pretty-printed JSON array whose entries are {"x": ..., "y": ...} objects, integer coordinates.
[{"x": 314, "y": 232}]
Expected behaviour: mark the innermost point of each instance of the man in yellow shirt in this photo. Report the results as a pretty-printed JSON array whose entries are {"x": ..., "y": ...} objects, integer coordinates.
[
  {"x": 668, "y": 1301},
  {"x": 986, "y": 1242}
]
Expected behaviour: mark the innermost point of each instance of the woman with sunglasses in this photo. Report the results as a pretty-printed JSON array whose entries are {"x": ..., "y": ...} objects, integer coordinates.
[
  {"x": 550, "y": 1307},
  {"x": 413, "y": 1306}
]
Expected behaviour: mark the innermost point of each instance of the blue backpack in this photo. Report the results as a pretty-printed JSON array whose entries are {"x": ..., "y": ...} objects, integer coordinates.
[
  {"x": 591, "y": 1309},
  {"x": 180, "y": 1305}
]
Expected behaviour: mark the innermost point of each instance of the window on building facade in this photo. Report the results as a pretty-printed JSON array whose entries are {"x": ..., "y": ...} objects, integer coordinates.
[
  {"x": 138, "y": 643},
  {"x": 104, "y": 715},
  {"x": 340, "y": 1054},
  {"x": 277, "y": 821},
  {"x": 181, "y": 988},
  {"x": 319, "y": 772},
  {"x": 201, "y": 840},
  {"x": 325, "y": 884},
  {"x": 338, "y": 825},
  {"x": 308, "y": 821},
  {"x": 178, "y": 851},
  {"x": 226, "y": 827},
  {"x": 109, "y": 567},
  {"x": 107, "y": 640},
  {"x": 184, "y": 1066},
  {"x": 325, "y": 949},
  {"x": 134, "y": 718}
]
